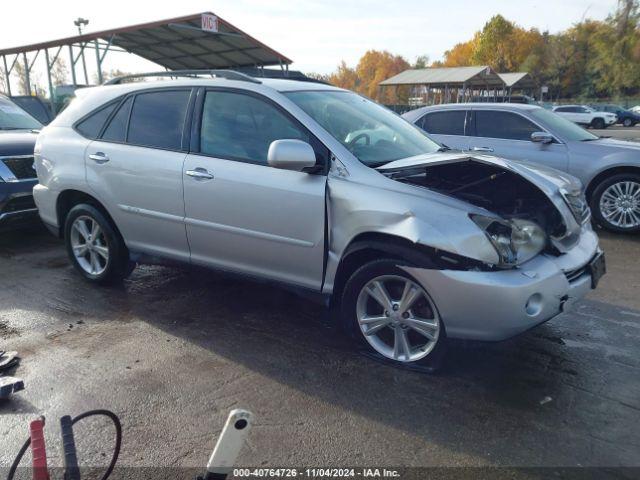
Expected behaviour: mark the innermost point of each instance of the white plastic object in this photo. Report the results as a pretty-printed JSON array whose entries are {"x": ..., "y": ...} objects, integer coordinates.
[{"x": 230, "y": 442}]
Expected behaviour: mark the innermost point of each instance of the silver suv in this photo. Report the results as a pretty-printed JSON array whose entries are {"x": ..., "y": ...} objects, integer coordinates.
[{"x": 322, "y": 190}]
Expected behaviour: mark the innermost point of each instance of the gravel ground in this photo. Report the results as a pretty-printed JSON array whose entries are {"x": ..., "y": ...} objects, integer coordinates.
[{"x": 173, "y": 350}]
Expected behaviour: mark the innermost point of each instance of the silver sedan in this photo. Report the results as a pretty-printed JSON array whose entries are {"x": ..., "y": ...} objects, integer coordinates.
[{"x": 609, "y": 169}]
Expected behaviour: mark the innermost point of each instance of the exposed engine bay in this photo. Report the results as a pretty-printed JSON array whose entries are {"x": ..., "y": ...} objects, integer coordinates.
[{"x": 492, "y": 187}]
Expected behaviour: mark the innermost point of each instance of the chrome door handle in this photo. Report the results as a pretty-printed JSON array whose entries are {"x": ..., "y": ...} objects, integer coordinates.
[
  {"x": 482, "y": 149},
  {"x": 199, "y": 174},
  {"x": 99, "y": 157}
]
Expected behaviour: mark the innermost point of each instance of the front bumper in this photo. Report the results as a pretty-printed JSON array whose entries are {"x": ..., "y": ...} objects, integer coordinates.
[
  {"x": 497, "y": 305},
  {"x": 17, "y": 208}
]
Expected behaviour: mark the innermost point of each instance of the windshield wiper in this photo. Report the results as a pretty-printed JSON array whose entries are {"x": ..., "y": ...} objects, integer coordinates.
[
  {"x": 11, "y": 128},
  {"x": 443, "y": 148}
]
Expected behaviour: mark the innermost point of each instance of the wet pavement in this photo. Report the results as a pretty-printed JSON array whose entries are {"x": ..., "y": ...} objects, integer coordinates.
[{"x": 173, "y": 350}]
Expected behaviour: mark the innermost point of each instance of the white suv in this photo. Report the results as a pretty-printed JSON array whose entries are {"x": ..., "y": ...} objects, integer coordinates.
[
  {"x": 586, "y": 116},
  {"x": 322, "y": 190}
]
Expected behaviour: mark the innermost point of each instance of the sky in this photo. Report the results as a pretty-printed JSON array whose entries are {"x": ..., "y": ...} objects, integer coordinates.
[{"x": 315, "y": 34}]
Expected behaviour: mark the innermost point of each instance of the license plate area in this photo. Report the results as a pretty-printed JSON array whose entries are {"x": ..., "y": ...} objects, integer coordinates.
[{"x": 597, "y": 268}]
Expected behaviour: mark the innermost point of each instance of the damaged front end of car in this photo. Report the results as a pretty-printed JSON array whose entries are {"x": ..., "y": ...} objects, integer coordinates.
[
  {"x": 524, "y": 215},
  {"x": 519, "y": 234}
]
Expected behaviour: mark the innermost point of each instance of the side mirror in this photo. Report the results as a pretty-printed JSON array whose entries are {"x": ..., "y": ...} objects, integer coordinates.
[
  {"x": 541, "y": 137},
  {"x": 291, "y": 155}
]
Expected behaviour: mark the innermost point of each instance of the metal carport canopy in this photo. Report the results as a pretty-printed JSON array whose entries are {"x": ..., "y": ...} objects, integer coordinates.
[
  {"x": 517, "y": 80},
  {"x": 179, "y": 43},
  {"x": 480, "y": 76}
]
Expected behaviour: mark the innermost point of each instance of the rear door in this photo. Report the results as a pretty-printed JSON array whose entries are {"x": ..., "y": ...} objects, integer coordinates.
[
  {"x": 446, "y": 127},
  {"x": 508, "y": 134},
  {"x": 135, "y": 168},
  {"x": 242, "y": 214},
  {"x": 583, "y": 115},
  {"x": 570, "y": 113}
]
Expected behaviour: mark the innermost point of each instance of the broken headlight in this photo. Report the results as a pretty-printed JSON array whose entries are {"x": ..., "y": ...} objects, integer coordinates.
[
  {"x": 578, "y": 205},
  {"x": 515, "y": 241}
]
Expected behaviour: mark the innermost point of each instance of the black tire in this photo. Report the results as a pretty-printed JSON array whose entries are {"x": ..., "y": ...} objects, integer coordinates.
[
  {"x": 348, "y": 305},
  {"x": 627, "y": 122},
  {"x": 596, "y": 196},
  {"x": 118, "y": 266},
  {"x": 598, "y": 123}
]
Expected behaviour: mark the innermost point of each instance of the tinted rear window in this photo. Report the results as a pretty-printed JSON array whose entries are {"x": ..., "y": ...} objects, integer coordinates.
[
  {"x": 92, "y": 125},
  {"x": 444, "y": 123},
  {"x": 116, "y": 131},
  {"x": 157, "y": 119}
]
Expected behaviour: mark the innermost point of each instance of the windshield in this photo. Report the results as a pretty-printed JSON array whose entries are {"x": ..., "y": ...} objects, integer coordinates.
[
  {"x": 563, "y": 128},
  {"x": 13, "y": 117},
  {"x": 372, "y": 133}
]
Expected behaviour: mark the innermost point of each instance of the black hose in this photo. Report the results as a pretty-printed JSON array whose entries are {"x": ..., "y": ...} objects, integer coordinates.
[
  {"x": 16, "y": 461},
  {"x": 116, "y": 451}
]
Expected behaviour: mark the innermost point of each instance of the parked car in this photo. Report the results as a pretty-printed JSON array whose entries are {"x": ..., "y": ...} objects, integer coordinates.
[
  {"x": 38, "y": 108},
  {"x": 320, "y": 189},
  {"x": 609, "y": 169},
  {"x": 18, "y": 131},
  {"x": 635, "y": 109},
  {"x": 583, "y": 115},
  {"x": 625, "y": 117}
]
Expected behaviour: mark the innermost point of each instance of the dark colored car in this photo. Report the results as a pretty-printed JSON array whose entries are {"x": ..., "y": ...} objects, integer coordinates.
[
  {"x": 625, "y": 117},
  {"x": 18, "y": 131},
  {"x": 36, "y": 107}
]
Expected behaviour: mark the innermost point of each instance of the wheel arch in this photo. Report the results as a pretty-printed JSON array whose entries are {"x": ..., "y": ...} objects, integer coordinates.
[
  {"x": 609, "y": 172},
  {"x": 67, "y": 199},
  {"x": 369, "y": 246}
]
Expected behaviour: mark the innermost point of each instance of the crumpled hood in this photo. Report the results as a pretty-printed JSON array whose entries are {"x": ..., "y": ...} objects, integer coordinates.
[
  {"x": 550, "y": 182},
  {"x": 547, "y": 179}
]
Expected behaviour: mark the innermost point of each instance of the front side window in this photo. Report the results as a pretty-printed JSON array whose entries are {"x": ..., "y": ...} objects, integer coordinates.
[
  {"x": 445, "y": 123},
  {"x": 242, "y": 127},
  {"x": 507, "y": 125},
  {"x": 157, "y": 119},
  {"x": 372, "y": 133},
  {"x": 561, "y": 127}
]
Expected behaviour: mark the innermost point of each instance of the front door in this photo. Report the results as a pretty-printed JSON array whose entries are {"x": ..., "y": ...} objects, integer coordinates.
[
  {"x": 241, "y": 214},
  {"x": 508, "y": 135}
]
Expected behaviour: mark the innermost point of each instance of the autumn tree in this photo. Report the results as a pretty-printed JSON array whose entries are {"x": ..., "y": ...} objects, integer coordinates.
[
  {"x": 373, "y": 68},
  {"x": 461, "y": 55},
  {"x": 345, "y": 77}
]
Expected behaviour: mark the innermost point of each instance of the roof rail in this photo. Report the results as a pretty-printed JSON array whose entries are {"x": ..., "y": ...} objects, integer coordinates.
[{"x": 228, "y": 74}]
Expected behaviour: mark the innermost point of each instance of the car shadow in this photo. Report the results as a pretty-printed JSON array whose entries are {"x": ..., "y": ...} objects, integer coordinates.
[{"x": 546, "y": 379}]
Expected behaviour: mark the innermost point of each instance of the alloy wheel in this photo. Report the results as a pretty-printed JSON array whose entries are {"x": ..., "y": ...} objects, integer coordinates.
[
  {"x": 620, "y": 204},
  {"x": 398, "y": 318},
  {"x": 89, "y": 244}
]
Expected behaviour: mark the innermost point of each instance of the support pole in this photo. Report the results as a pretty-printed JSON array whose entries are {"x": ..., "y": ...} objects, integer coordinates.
[
  {"x": 27, "y": 77},
  {"x": 73, "y": 67},
  {"x": 7, "y": 74},
  {"x": 84, "y": 64},
  {"x": 98, "y": 61},
  {"x": 51, "y": 95}
]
